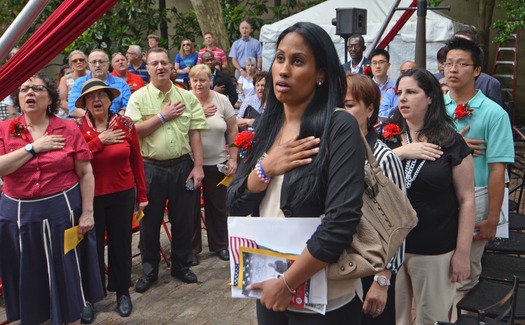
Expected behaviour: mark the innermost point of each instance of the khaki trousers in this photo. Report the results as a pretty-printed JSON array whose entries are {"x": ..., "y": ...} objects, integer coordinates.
[
  {"x": 476, "y": 251},
  {"x": 424, "y": 280}
]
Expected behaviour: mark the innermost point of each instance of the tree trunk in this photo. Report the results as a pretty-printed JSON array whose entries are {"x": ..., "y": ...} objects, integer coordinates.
[
  {"x": 163, "y": 24},
  {"x": 211, "y": 19},
  {"x": 486, "y": 8}
]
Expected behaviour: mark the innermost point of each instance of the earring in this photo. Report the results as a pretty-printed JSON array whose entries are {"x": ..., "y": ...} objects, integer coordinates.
[
  {"x": 49, "y": 109},
  {"x": 319, "y": 83}
]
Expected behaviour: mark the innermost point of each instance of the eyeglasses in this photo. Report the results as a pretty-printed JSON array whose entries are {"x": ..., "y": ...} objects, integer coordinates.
[
  {"x": 78, "y": 60},
  {"x": 156, "y": 63},
  {"x": 186, "y": 44},
  {"x": 460, "y": 65},
  {"x": 100, "y": 95},
  {"x": 130, "y": 53},
  {"x": 100, "y": 62},
  {"x": 380, "y": 62},
  {"x": 35, "y": 88}
]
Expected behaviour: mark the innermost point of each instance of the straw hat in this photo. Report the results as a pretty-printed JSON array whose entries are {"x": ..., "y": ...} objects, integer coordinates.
[{"x": 95, "y": 84}]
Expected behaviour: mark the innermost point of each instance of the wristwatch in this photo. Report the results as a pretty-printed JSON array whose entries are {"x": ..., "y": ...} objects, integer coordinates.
[
  {"x": 382, "y": 280},
  {"x": 29, "y": 148}
]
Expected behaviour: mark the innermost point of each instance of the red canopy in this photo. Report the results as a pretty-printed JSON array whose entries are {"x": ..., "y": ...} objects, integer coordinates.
[
  {"x": 66, "y": 23},
  {"x": 397, "y": 26}
]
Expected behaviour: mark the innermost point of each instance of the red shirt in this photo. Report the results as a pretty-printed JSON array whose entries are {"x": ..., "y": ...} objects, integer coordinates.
[
  {"x": 49, "y": 172},
  {"x": 134, "y": 81},
  {"x": 218, "y": 53},
  {"x": 117, "y": 167}
]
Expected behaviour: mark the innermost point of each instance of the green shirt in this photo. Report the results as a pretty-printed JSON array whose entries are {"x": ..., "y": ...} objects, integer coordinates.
[
  {"x": 171, "y": 140},
  {"x": 490, "y": 123}
]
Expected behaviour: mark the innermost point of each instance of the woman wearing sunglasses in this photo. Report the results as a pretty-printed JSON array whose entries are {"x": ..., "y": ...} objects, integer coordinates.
[
  {"x": 185, "y": 59},
  {"x": 78, "y": 62}
]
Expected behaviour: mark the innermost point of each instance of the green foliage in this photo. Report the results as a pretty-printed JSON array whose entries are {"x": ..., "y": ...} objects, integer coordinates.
[
  {"x": 291, "y": 7},
  {"x": 9, "y": 10},
  {"x": 514, "y": 19},
  {"x": 434, "y": 3},
  {"x": 236, "y": 11},
  {"x": 127, "y": 23},
  {"x": 112, "y": 33},
  {"x": 186, "y": 26},
  {"x": 130, "y": 21}
]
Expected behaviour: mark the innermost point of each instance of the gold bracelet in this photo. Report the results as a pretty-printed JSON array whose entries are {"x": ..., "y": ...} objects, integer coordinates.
[{"x": 287, "y": 286}]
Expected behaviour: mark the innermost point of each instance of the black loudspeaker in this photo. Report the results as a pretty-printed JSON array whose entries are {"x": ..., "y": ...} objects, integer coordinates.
[{"x": 349, "y": 21}]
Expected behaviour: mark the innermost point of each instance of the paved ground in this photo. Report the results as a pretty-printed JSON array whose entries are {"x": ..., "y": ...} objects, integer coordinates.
[{"x": 170, "y": 301}]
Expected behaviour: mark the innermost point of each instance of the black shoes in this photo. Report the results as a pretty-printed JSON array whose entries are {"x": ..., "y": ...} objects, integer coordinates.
[
  {"x": 186, "y": 276},
  {"x": 143, "y": 284},
  {"x": 124, "y": 306},
  {"x": 88, "y": 314},
  {"x": 224, "y": 254},
  {"x": 194, "y": 260}
]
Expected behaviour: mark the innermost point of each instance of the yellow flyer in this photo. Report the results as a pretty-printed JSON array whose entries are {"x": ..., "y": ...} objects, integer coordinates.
[
  {"x": 71, "y": 239},
  {"x": 138, "y": 217}
]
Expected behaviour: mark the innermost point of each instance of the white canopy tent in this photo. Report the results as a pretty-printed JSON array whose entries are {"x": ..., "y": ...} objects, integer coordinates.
[{"x": 438, "y": 29}]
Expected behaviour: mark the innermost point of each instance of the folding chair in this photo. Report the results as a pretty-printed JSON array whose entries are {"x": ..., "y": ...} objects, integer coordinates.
[
  {"x": 517, "y": 182},
  {"x": 515, "y": 244},
  {"x": 490, "y": 310},
  {"x": 516, "y": 222},
  {"x": 502, "y": 267}
]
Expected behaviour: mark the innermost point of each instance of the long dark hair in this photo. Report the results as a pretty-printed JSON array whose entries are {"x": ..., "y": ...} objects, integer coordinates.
[
  {"x": 438, "y": 126},
  {"x": 305, "y": 180}
]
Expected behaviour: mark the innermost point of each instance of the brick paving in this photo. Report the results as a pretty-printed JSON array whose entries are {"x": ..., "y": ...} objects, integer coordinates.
[{"x": 170, "y": 301}]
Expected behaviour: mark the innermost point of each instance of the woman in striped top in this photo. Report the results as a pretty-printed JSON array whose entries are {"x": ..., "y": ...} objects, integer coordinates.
[{"x": 362, "y": 101}]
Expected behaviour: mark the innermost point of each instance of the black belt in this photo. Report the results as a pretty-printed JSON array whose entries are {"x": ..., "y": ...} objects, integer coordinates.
[{"x": 167, "y": 162}]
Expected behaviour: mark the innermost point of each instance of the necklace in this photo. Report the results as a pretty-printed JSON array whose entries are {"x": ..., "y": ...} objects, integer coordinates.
[{"x": 409, "y": 168}]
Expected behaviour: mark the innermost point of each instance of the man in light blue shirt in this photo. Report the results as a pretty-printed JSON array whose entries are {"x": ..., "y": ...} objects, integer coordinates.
[
  {"x": 380, "y": 63},
  {"x": 389, "y": 101},
  {"x": 488, "y": 132},
  {"x": 243, "y": 48},
  {"x": 99, "y": 65}
]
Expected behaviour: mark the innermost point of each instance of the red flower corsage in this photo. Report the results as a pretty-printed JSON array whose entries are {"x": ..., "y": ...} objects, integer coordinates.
[
  {"x": 16, "y": 129},
  {"x": 244, "y": 142},
  {"x": 391, "y": 132},
  {"x": 367, "y": 70},
  {"x": 461, "y": 111},
  {"x": 88, "y": 136}
]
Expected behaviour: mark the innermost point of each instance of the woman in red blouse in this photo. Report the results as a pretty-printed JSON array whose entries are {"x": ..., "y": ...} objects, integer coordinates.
[
  {"x": 118, "y": 168},
  {"x": 42, "y": 199}
]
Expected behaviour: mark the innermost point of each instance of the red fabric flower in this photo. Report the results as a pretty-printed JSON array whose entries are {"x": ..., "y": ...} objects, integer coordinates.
[
  {"x": 16, "y": 129},
  {"x": 395, "y": 90},
  {"x": 367, "y": 70},
  {"x": 88, "y": 136},
  {"x": 391, "y": 131},
  {"x": 461, "y": 111},
  {"x": 244, "y": 140}
]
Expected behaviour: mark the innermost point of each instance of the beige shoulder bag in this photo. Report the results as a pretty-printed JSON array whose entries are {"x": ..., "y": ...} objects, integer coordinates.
[{"x": 387, "y": 219}]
